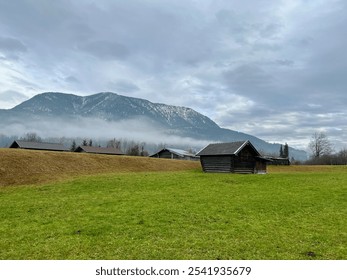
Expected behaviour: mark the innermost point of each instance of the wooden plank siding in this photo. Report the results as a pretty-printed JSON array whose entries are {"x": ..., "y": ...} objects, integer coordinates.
[
  {"x": 245, "y": 161},
  {"x": 230, "y": 164},
  {"x": 216, "y": 164}
]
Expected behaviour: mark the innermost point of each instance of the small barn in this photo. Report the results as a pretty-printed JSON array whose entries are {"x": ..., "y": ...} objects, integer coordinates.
[
  {"x": 277, "y": 160},
  {"x": 98, "y": 150},
  {"x": 19, "y": 144},
  {"x": 234, "y": 157},
  {"x": 172, "y": 153}
]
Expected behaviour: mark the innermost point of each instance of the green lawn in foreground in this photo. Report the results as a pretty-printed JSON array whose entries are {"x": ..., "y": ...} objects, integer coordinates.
[{"x": 178, "y": 215}]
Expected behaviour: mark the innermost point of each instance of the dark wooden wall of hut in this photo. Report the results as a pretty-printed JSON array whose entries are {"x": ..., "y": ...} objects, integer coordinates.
[
  {"x": 245, "y": 161},
  {"x": 279, "y": 161},
  {"x": 260, "y": 166},
  {"x": 216, "y": 163}
]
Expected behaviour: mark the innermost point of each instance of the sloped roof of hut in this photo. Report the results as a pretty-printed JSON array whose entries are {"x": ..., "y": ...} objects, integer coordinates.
[{"x": 232, "y": 148}]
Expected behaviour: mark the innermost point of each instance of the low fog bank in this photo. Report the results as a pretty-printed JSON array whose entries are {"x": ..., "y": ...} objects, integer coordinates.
[{"x": 129, "y": 132}]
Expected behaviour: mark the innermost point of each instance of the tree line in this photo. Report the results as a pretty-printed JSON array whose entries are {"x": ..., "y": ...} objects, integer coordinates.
[
  {"x": 128, "y": 147},
  {"x": 131, "y": 148},
  {"x": 320, "y": 148}
]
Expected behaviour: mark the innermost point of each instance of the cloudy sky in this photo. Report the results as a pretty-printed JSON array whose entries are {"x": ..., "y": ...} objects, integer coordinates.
[{"x": 274, "y": 69}]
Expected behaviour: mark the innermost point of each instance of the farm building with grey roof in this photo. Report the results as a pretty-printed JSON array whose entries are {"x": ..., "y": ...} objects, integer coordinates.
[
  {"x": 234, "y": 157},
  {"x": 173, "y": 153},
  {"x": 19, "y": 144},
  {"x": 98, "y": 150}
]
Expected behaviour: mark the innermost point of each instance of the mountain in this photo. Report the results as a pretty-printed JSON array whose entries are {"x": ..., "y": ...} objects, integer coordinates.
[
  {"x": 110, "y": 107},
  {"x": 57, "y": 111}
]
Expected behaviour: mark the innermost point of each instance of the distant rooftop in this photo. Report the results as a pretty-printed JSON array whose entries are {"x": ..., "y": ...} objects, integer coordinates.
[
  {"x": 19, "y": 144},
  {"x": 99, "y": 150},
  {"x": 178, "y": 152}
]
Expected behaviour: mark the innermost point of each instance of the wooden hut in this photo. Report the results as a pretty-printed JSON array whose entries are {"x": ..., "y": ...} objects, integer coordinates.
[
  {"x": 234, "y": 157},
  {"x": 172, "y": 153},
  {"x": 98, "y": 150},
  {"x": 19, "y": 144},
  {"x": 277, "y": 160}
]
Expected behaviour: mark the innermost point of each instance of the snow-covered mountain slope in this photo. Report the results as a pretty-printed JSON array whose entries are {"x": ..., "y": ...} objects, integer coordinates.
[
  {"x": 108, "y": 108},
  {"x": 112, "y": 107}
]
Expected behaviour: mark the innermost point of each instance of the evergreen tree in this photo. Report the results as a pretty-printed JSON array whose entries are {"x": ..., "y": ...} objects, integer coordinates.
[
  {"x": 73, "y": 146},
  {"x": 281, "y": 151},
  {"x": 286, "y": 151},
  {"x": 90, "y": 142},
  {"x": 84, "y": 142}
]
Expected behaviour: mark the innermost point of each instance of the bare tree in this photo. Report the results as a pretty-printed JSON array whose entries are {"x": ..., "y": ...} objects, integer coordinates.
[
  {"x": 133, "y": 150},
  {"x": 114, "y": 143},
  {"x": 320, "y": 145},
  {"x": 341, "y": 157},
  {"x": 143, "y": 152},
  {"x": 32, "y": 137}
]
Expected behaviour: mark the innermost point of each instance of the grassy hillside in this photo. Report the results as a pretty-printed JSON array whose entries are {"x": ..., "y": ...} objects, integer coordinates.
[
  {"x": 287, "y": 214},
  {"x": 24, "y": 167},
  {"x": 81, "y": 206}
]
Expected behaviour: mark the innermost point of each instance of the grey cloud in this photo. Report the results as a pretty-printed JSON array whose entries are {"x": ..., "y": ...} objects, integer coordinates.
[
  {"x": 78, "y": 31},
  {"x": 246, "y": 28},
  {"x": 37, "y": 19},
  {"x": 106, "y": 49},
  {"x": 11, "y": 45},
  {"x": 236, "y": 26},
  {"x": 247, "y": 65},
  {"x": 270, "y": 30},
  {"x": 12, "y": 96},
  {"x": 124, "y": 86},
  {"x": 24, "y": 82},
  {"x": 285, "y": 62},
  {"x": 250, "y": 80},
  {"x": 11, "y": 48},
  {"x": 295, "y": 128},
  {"x": 71, "y": 79}
]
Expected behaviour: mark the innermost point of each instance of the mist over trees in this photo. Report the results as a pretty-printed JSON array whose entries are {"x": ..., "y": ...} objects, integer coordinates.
[
  {"x": 130, "y": 147},
  {"x": 31, "y": 137},
  {"x": 320, "y": 147}
]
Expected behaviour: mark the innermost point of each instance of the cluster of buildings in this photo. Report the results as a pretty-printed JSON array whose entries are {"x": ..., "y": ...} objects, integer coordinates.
[{"x": 234, "y": 157}]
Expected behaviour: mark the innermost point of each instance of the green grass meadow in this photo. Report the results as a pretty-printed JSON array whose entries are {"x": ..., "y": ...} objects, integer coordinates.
[{"x": 178, "y": 215}]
